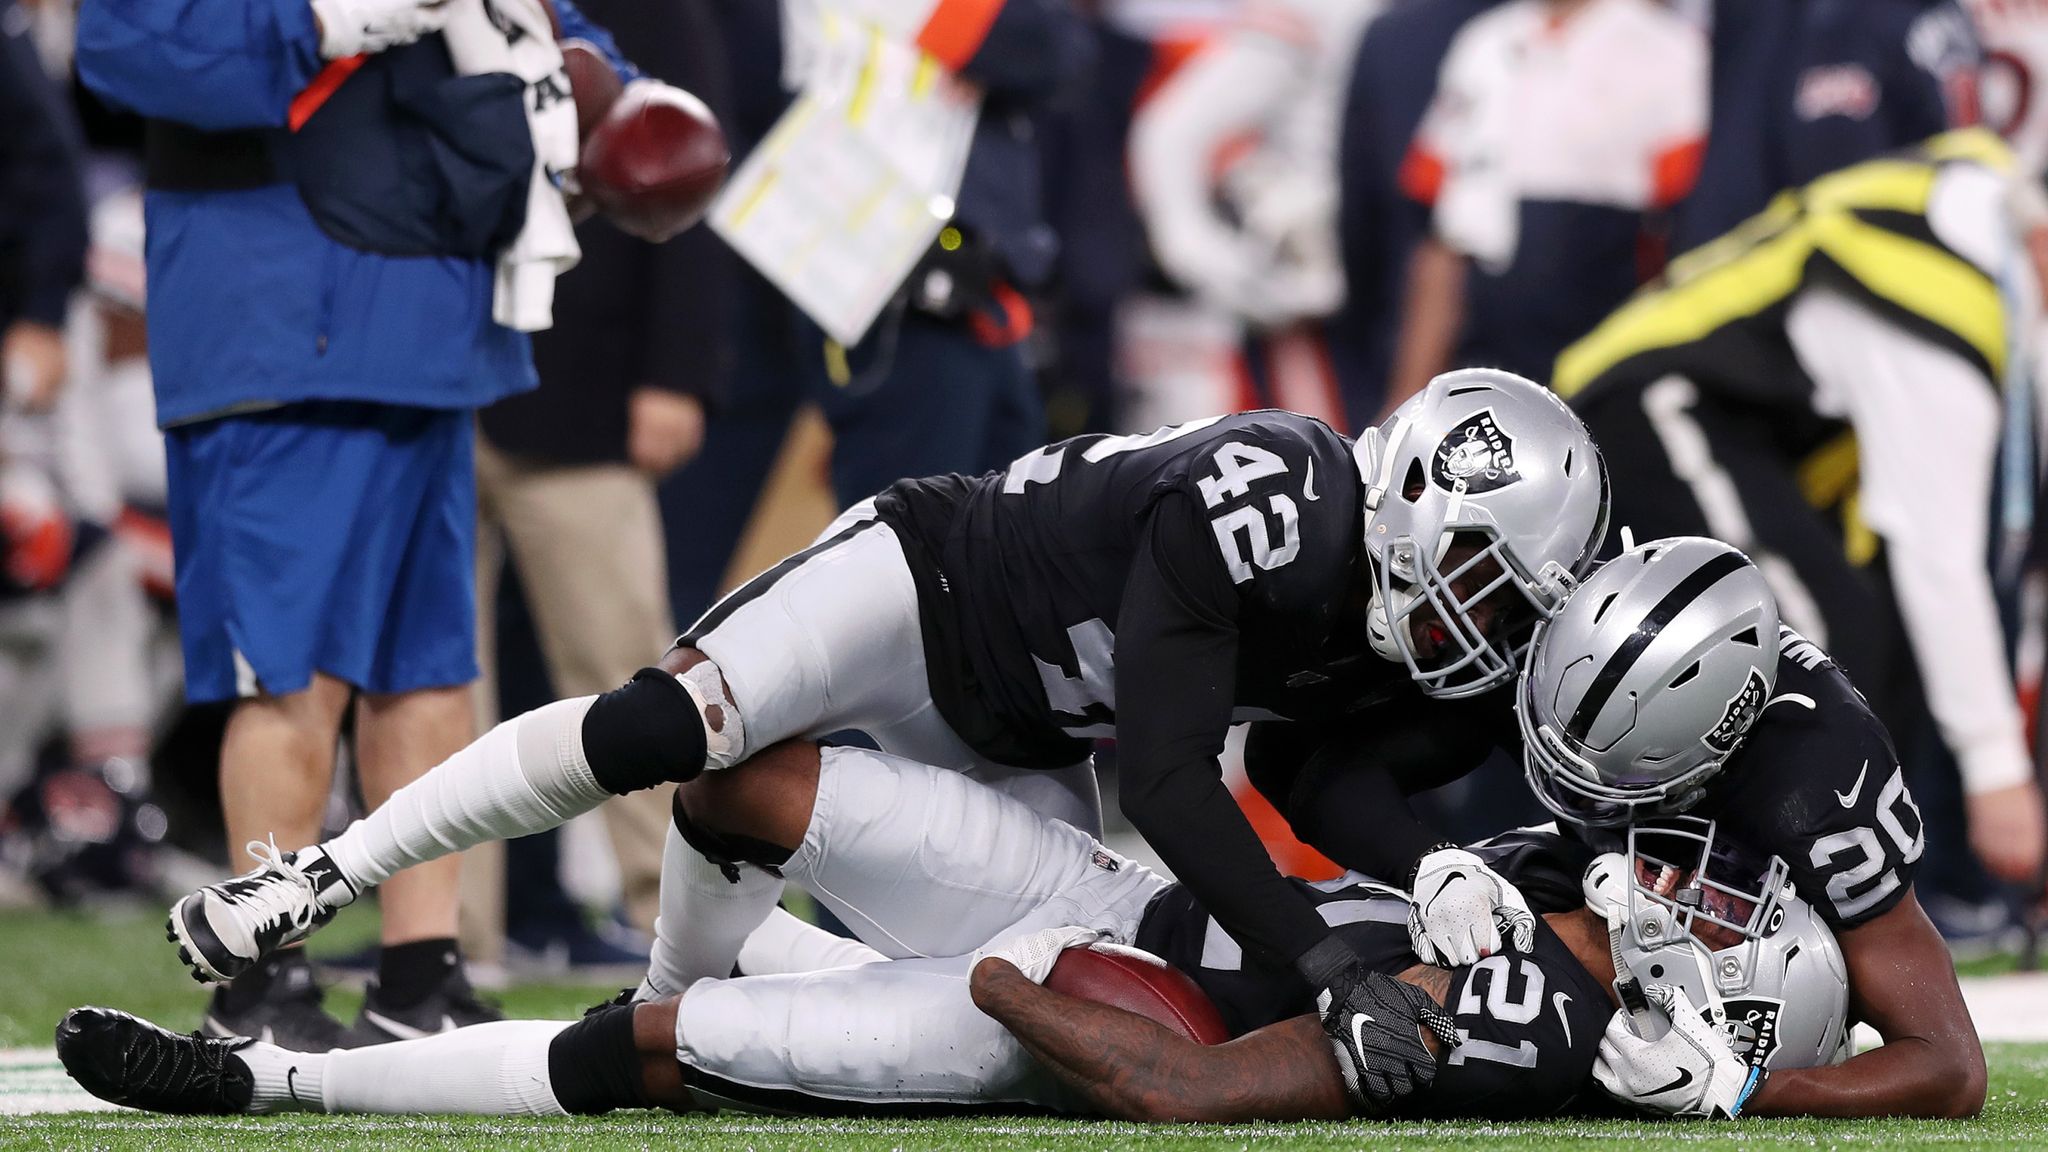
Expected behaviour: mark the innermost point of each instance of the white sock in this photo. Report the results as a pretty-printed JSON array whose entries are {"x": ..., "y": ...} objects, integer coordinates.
[
  {"x": 705, "y": 919},
  {"x": 784, "y": 944},
  {"x": 526, "y": 775},
  {"x": 286, "y": 1081},
  {"x": 497, "y": 1069}
]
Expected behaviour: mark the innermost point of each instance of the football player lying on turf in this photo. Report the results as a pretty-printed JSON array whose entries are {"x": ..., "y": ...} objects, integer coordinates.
[
  {"x": 895, "y": 1033},
  {"x": 1665, "y": 684},
  {"x": 1156, "y": 588}
]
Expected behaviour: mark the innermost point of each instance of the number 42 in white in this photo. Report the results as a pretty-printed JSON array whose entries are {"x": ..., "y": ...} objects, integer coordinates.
[{"x": 1246, "y": 526}]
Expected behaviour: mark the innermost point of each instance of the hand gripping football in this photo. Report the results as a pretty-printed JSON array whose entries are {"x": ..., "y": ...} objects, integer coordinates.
[
  {"x": 654, "y": 160},
  {"x": 1139, "y": 982}
]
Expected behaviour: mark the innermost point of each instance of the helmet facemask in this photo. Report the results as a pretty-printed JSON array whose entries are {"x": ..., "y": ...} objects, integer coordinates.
[
  {"x": 1726, "y": 927},
  {"x": 1471, "y": 601}
]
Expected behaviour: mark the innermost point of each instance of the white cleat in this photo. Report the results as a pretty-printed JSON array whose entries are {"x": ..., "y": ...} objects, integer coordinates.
[{"x": 223, "y": 929}]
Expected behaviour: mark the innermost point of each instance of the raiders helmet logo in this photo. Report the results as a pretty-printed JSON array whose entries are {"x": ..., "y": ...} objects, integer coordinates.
[
  {"x": 1477, "y": 455},
  {"x": 1751, "y": 1024},
  {"x": 1740, "y": 713}
]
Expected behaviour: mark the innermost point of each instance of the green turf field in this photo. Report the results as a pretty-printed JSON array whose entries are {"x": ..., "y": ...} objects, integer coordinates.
[{"x": 54, "y": 962}]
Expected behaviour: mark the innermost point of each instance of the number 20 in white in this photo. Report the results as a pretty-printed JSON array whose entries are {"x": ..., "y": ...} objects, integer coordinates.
[{"x": 1238, "y": 465}]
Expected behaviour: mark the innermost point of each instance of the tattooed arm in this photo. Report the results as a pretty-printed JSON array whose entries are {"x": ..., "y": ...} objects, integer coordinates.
[{"x": 1130, "y": 1068}]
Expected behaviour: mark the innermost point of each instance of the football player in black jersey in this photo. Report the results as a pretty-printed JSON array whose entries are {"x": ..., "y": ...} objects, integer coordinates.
[
  {"x": 1156, "y": 588},
  {"x": 825, "y": 1025},
  {"x": 1666, "y": 684}
]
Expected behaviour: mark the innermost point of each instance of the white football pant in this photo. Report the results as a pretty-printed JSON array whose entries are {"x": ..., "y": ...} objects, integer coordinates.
[{"x": 925, "y": 865}]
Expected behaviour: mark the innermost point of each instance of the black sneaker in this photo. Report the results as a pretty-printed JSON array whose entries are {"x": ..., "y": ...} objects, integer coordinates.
[
  {"x": 134, "y": 1063},
  {"x": 453, "y": 1005},
  {"x": 285, "y": 1009}
]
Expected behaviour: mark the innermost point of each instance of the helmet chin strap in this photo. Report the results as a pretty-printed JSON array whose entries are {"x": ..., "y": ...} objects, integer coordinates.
[{"x": 1606, "y": 888}]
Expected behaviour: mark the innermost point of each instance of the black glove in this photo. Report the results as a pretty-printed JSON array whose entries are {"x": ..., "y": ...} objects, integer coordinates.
[{"x": 1375, "y": 1023}]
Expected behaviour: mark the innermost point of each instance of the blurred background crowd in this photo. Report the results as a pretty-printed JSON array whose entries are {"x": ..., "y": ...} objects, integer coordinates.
[{"x": 1169, "y": 209}]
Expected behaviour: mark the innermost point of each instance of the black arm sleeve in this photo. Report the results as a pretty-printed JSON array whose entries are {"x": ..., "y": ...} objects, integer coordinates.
[
  {"x": 1345, "y": 792},
  {"x": 1176, "y": 670}
]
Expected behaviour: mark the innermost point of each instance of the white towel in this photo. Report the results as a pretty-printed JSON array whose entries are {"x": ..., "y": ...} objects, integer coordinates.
[{"x": 515, "y": 36}]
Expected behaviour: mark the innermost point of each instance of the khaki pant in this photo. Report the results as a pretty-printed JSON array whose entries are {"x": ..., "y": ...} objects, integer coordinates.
[{"x": 587, "y": 540}]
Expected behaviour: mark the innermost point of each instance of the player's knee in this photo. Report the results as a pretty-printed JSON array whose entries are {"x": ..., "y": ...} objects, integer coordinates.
[
  {"x": 724, "y": 837},
  {"x": 645, "y": 732},
  {"x": 594, "y": 1064}
]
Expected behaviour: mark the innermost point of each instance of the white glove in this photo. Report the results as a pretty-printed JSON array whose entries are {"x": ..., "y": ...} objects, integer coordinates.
[
  {"x": 1689, "y": 1071},
  {"x": 352, "y": 27},
  {"x": 1034, "y": 953},
  {"x": 1462, "y": 910}
]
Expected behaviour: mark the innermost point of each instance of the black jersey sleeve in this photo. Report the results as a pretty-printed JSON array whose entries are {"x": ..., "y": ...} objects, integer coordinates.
[
  {"x": 1817, "y": 783},
  {"x": 1344, "y": 786},
  {"x": 1175, "y": 683},
  {"x": 1530, "y": 1025}
]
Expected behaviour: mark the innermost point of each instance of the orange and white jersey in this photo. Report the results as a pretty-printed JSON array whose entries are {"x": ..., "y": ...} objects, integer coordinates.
[
  {"x": 1250, "y": 121},
  {"x": 2011, "y": 90},
  {"x": 1605, "y": 105}
]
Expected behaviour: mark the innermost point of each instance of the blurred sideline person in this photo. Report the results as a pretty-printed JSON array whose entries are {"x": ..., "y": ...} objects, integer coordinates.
[
  {"x": 1803, "y": 87},
  {"x": 1821, "y": 388},
  {"x": 2015, "y": 42},
  {"x": 79, "y": 637},
  {"x": 1257, "y": 103},
  {"x": 323, "y": 321},
  {"x": 1558, "y": 129},
  {"x": 1392, "y": 82},
  {"x": 566, "y": 474},
  {"x": 42, "y": 219},
  {"x": 941, "y": 382}
]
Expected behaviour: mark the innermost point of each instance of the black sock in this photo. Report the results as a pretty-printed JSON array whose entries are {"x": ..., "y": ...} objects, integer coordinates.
[{"x": 409, "y": 973}]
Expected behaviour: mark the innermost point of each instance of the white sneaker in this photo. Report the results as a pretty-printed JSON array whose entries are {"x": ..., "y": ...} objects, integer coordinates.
[{"x": 223, "y": 929}]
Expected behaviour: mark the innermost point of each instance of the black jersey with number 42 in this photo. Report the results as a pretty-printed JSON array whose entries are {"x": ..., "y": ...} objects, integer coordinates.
[
  {"x": 1250, "y": 520},
  {"x": 1531, "y": 1023}
]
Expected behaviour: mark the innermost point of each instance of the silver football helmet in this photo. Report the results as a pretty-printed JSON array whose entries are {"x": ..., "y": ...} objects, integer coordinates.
[
  {"x": 1729, "y": 929},
  {"x": 1640, "y": 688},
  {"x": 1485, "y": 501}
]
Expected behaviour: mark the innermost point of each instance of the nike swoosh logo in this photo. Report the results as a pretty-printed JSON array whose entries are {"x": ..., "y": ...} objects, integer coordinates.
[
  {"x": 406, "y": 1031},
  {"x": 1358, "y": 1024},
  {"x": 1558, "y": 1002},
  {"x": 1684, "y": 1078},
  {"x": 1308, "y": 486},
  {"x": 1849, "y": 801},
  {"x": 290, "y": 1086}
]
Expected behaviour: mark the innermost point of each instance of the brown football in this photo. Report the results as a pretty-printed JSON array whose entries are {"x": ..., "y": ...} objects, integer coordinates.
[
  {"x": 654, "y": 161},
  {"x": 1139, "y": 982}
]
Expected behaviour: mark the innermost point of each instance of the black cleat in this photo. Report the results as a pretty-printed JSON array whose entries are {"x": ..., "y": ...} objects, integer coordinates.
[
  {"x": 281, "y": 1005},
  {"x": 128, "y": 1061},
  {"x": 453, "y": 1005}
]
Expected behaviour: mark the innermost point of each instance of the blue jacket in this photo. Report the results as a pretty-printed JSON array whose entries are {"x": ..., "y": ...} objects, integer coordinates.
[{"x": 251, "y": 302}]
